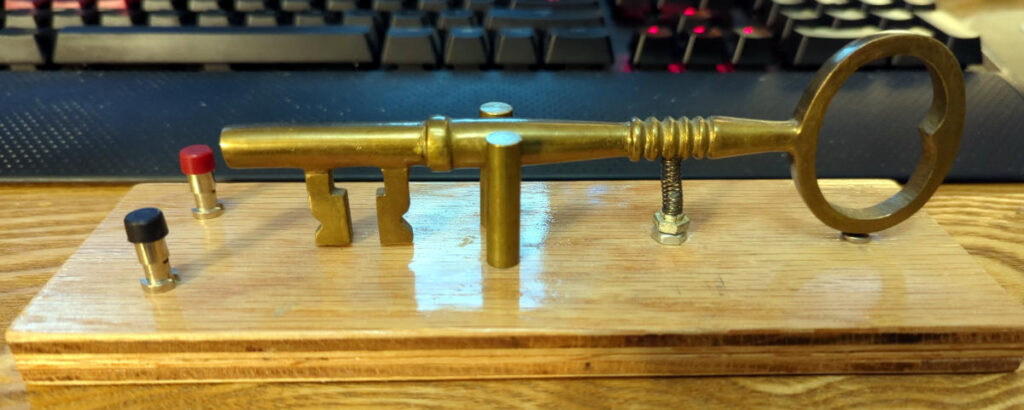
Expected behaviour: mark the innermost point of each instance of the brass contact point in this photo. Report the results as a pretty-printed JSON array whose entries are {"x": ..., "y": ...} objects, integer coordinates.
[
  {"x": 855, "y": 237},
  {"x": 495, "y": 109}
]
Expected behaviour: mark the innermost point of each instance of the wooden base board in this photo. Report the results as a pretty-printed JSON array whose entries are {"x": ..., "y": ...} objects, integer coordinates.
[{"x": 761, "y": 287}]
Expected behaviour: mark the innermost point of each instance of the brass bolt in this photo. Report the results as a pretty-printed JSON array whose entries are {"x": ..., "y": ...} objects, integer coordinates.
[{"x": 671, "y": 223}]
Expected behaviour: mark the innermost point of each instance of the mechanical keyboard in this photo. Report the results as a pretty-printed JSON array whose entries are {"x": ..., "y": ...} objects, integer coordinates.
[
  {"x": 106, "y": 90},
  {"x": 552, "y": 34}
]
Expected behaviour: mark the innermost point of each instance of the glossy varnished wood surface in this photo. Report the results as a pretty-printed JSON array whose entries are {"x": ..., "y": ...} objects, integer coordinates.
[{"x": 985, "y": 219}]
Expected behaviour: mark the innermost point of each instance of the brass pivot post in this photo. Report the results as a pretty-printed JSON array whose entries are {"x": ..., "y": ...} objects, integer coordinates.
[
  {"x": 146, "y": 228},
  {"x": 491, "y": 109},
  {"x": 670, "y": 222},
  {"x": 504, "y": 175}
]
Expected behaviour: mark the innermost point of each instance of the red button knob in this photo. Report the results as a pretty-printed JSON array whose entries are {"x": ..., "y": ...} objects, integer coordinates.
[{"x": 196, "y": 159}]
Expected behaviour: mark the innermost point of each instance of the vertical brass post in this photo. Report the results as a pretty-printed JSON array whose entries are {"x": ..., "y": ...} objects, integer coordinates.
[
  {"x": 491, "y": 109},
  {"x": 504, "y": 163}
]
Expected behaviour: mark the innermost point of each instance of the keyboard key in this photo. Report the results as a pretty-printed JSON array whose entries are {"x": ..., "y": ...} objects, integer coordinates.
[
  {"x": 73, "y": 18},
  {"x": 203, "y": 5},
  {"x": 11, "y": 5},
  {"x": 19, "y": 47},
  {"x": 705, "y": 47},
  {"x": 246, "y": 6},
  {"x": 820, "y": 6},
  {"x": 868, "y": 5},
  {"x": 693, "y": 18},
  {"x": 673, "y": 8},
  {"x": 342, "y": 5},
  {"x": 578, "y": 46},
  {"x": 542, "y": 19},
  {"x": 410, "y": 46},
  {"x": 919, "y": 5},
  {"x": 24, "y": 19},
  {"x": 104, "y": 5},
  {"x": 264, "y": 18},
  {"x": 654, "y": 46},
  {"x": 455, "y": 18},
  {"x": 309, "y": 19},
  {"x": 554, "y": 4},
  {"x": 213, "y": 19},
  {"x": 791, "y": 19},
  {"x": 478, "y": 6},
  {"x": 753, "y": 47},
  {"x": 815, "y": 45},
  {"x": 212, "y": 45},
  {"x": 295, "y": 5},
  {"x": 847, "y": 18},
  {"x": 892, "y": 19},
  {"x": 362, "y": 18},
  {"x": 776, "y": 7},
  {"x": 635, "y": 10},
  {"x": 116, "y": 18},
  {"x": 962, "y": 41},
  {"x": 56, "y": 5},
  {"x": 387, "y": 6},
  {"x": 162, "y": 5},
  {"x": 515, "y": 47},
  {"x": 167, "y": 18},
  {"x": 408, "y": 19},
  {"x": 435, "y": 6},
  {"x": 466, "y": 46}
]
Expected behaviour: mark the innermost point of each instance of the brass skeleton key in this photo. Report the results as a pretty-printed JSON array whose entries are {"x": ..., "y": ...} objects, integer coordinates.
[{"x": 442, "y": 144}]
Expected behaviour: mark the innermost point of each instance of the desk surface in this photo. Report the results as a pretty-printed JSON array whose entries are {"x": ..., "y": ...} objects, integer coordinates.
[{"x": 41, "y": 225}]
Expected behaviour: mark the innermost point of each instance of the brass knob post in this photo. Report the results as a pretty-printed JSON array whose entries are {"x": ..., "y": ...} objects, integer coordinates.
[{"x": 504, "y": 175}]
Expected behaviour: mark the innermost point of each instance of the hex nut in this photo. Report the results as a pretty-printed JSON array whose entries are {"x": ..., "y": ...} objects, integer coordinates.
[
  {"x": 671, "y": 224},
  {"x": 668, "y": 238}
]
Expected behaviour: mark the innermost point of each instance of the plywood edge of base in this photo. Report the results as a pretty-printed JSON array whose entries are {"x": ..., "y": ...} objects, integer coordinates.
[{"x": 70, "y": 369}]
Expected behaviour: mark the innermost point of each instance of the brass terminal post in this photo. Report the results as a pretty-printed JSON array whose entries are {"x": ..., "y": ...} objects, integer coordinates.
[
  {"x": 197, "y": 164},
  {"x": 146, "y": 228}
]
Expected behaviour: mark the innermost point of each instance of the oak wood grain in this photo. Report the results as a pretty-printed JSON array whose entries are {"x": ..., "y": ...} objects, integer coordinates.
[{"x": 986, "y": 219}]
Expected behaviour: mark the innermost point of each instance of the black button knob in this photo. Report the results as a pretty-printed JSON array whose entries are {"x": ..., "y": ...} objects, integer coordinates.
[{"x": 145, "y": 225}]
